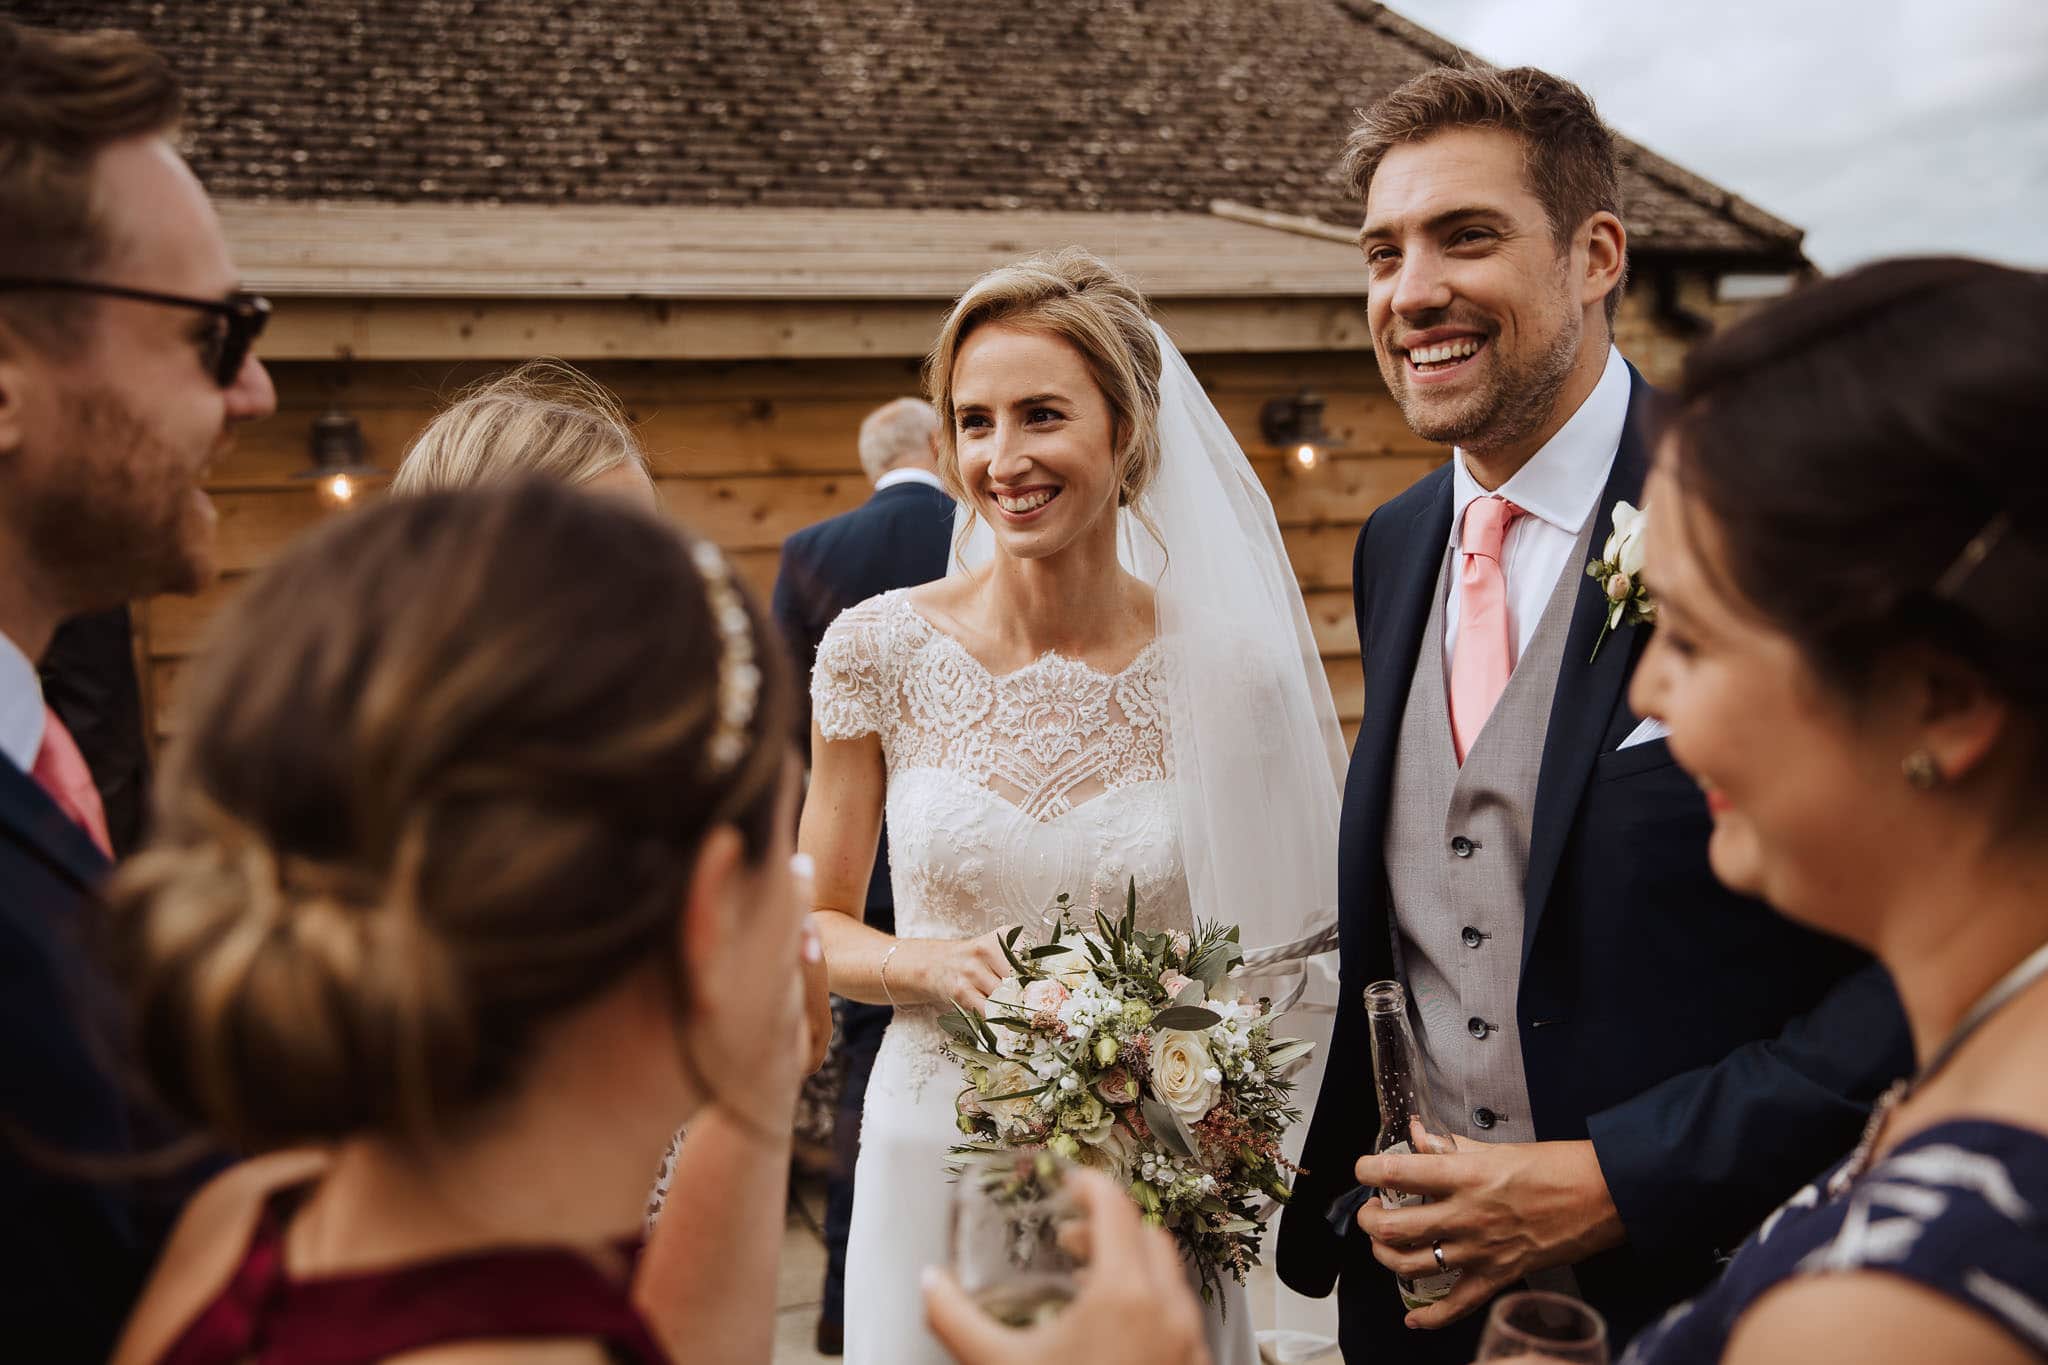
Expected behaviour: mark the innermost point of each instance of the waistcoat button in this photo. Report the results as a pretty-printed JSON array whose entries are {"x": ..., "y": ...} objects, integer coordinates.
[
  {"x": 1477, "y": 1027},
  {"x": 1473, "y": 938},
  {"x": 1462, "y": 846},
  {"x": 1484, "y": 1117}
]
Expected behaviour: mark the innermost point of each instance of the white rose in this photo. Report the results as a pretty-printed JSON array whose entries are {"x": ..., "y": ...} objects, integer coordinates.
[
  {"x": 1181, "y": 1066},
  {"x": 1008, "y": 1078},
  {"x": 1071, "y": 967},
  {"x": 1113, "y": 1153},
  {"x": 1625, "y": 546}
]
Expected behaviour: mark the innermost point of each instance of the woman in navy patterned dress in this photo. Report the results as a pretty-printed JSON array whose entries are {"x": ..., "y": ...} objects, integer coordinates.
[{"x": 1848, "y": 548}]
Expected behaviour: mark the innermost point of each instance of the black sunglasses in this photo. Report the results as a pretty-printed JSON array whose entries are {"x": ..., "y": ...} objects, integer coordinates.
[{"x": 242, "y": 316}]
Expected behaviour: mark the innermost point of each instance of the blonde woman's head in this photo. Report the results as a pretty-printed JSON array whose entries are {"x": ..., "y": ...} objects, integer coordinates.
[
  {"x": 1079, "y": 300},
  {"x": 542, "y": 419}
]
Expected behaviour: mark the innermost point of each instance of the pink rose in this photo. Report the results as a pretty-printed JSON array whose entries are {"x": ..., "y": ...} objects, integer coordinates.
[
  {"x": 1044, "y": 996},
  {"x": 1619, "y": 588},
  {"x": 1117, "y": 1085},
  {"x": 1174, "y": 982}
]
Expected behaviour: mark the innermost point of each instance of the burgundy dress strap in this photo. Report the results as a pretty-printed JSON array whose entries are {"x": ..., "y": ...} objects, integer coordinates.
[{"x": 266, "y": 1316}]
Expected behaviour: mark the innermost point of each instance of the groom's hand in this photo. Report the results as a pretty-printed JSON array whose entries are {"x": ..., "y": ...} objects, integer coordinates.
[{"x": 1498, "y": 1210}]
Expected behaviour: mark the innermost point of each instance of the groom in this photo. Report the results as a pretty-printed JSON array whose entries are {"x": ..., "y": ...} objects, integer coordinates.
[{"x": 1638, "y": 1064}]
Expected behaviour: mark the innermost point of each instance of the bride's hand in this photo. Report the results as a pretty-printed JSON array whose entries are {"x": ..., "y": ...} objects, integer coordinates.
[
  {"x": 1133, "y": 1307},
  {"x": 950, "y": 971}
]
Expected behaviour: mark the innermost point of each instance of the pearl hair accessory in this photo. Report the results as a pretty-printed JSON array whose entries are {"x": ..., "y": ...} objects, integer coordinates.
[{"x": 739, "y": 676}]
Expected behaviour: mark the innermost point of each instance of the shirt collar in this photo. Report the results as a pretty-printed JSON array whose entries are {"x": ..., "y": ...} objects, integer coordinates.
[
  {"x": 896, "y": 476},
  {"x": 1562, "y": 481},
  {"x": 21, "y": 706}
]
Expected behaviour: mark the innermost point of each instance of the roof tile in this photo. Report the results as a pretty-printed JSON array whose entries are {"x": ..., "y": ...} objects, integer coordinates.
[{"x": 1106, "y": 105}]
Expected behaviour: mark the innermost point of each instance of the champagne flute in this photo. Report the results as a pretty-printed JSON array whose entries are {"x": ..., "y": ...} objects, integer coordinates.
[
  {"x": 1548, "y": 1327},
  {"x": 1011, "y": 1236}
]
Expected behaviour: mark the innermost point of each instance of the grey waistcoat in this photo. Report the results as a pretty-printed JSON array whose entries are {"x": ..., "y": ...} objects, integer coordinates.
[{"x": 1457, "y": 855}]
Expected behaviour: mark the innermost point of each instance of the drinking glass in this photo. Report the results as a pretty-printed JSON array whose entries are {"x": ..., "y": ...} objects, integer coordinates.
[
  {"x": 1012, "y": 1236},
  {"x": 1547, "y": 1326}
]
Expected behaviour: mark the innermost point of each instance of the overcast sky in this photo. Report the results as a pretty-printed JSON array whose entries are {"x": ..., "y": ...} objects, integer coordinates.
[{"x": 1879, "y": 126}]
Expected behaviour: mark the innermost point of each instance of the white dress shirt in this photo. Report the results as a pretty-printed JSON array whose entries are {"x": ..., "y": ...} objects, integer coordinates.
[
  {"x": 21, "y": 706},
  {"x": 896, "y": 476},
  {"x": 1556, "y": 491}
]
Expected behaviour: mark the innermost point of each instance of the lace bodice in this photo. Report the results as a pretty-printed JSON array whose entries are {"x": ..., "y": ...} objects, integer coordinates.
[{"x": 1006, "y": 791}]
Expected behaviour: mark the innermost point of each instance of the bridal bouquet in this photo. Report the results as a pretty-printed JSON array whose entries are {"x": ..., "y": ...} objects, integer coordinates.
[{"x": 1129, "y": 1052}]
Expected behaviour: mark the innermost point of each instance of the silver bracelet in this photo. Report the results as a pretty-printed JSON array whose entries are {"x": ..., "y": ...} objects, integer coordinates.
[{"x": 885, "y": 972}]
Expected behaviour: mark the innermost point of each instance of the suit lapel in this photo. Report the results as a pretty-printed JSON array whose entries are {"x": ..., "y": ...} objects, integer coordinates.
[
  {"x": 33, "y": 819},
  {"x": 1401, "y": 610},
  {"x": 1587, "y": 688}
]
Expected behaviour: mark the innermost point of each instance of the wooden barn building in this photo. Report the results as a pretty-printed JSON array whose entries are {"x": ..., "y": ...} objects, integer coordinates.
[{"x": 748, "y": 217}]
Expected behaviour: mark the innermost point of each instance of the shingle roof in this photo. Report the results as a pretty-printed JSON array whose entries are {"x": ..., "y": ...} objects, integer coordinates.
[{"x": 1090, "y": 105}]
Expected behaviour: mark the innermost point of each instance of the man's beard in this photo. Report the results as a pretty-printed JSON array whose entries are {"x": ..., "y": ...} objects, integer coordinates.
[
  {"x": 1514, "y": 407},
  {"x": 113, "y": 518}
]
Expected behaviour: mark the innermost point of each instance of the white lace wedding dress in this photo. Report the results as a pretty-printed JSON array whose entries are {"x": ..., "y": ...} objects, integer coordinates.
[{"x": 1003, "y": 792}]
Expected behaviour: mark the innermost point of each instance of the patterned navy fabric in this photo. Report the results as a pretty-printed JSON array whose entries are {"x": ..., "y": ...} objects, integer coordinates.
[{"x": 1961, "y": 1209}]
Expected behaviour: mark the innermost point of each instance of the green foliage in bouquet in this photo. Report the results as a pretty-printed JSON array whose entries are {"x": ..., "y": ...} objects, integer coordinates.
[{"x": 1126, "y": 1050}]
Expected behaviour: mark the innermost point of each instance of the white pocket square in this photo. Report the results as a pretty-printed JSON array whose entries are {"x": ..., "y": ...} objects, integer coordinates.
[{"x": 1650, "y": 729}]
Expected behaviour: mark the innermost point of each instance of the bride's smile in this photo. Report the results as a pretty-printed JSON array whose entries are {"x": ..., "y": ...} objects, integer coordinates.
[{"x": 1035, "y": 436}]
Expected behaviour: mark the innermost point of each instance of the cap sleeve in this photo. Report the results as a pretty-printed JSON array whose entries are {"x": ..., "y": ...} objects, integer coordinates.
[{"x": 851, "y": 685}]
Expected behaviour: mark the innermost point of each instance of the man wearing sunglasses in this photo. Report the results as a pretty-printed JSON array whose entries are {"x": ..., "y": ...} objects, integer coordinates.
[{"x": 124, "y": 365}]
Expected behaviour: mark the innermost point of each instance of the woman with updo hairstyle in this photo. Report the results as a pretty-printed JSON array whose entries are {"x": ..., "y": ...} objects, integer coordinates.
[
  {"x": 1848, "y": 552},
  {"x": 471, "y": 875},
  {"x": 543, "y": 419},
  {"x": 1076, "y": 298}
]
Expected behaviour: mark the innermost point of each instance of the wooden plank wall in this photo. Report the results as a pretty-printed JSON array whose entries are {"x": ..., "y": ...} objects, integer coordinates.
[{"x": 750, "y": 451}]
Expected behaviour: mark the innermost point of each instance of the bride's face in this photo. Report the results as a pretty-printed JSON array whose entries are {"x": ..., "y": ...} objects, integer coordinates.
[{"x": 1035, "y": 440}]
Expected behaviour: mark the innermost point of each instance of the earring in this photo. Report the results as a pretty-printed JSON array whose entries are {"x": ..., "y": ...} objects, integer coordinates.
[{"x": 1920, "y": 770}]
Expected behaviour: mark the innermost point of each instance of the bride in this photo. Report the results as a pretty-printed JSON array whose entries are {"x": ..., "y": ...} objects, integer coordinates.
[{"x": 1117, "y": 682}]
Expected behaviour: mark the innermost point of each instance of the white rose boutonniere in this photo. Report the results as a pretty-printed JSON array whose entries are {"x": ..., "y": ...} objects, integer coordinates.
[{"x": 1619, "y": 571}]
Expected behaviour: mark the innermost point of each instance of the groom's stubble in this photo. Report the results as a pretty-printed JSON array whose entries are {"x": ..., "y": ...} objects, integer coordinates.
[{"x": 1519, "y": 395}]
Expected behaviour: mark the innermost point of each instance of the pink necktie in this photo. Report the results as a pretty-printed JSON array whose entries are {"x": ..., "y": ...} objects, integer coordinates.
[
  {"x": 1484, "y": 655},
  {"x": 61, "y": 771}
]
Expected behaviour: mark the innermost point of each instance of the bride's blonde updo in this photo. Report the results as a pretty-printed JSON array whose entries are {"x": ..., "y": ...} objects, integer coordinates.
[
  {"x": 1083, "y": 300},
  {"x": 441, "y": 778}
]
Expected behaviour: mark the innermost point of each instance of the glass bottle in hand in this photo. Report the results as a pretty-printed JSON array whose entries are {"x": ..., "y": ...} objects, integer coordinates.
[{"x": 1408, "y": 1121}]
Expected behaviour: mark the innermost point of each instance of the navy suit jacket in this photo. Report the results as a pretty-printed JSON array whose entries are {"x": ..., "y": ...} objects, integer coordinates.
[
  {"x": 1716, "y": 1054},
  {"x": 900, "y": 537},
  {"x": 76, "y": 1250}
]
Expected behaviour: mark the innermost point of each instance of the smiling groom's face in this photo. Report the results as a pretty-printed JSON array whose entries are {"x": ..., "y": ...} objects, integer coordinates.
[{"x": 1470, "y": 296}]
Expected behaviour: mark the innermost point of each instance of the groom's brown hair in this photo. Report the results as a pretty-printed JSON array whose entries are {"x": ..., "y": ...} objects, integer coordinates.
[{"x": 1569, "y": 151}]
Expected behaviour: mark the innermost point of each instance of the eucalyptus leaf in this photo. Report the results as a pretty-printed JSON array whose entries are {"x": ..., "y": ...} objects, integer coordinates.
[
  {"x": 1047, "y": 950},
  {"x": 1210, "y": 970},
  {"x": 1165, "y": 1127},
  {"x": 1187, "y": 1019},
  {"x": 1285, "y": 1052}
]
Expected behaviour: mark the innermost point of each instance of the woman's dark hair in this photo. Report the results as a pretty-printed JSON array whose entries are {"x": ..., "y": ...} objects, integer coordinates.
[
  {"x": 441, "y": 777},
  {"x": 1870, "y": 452}
]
